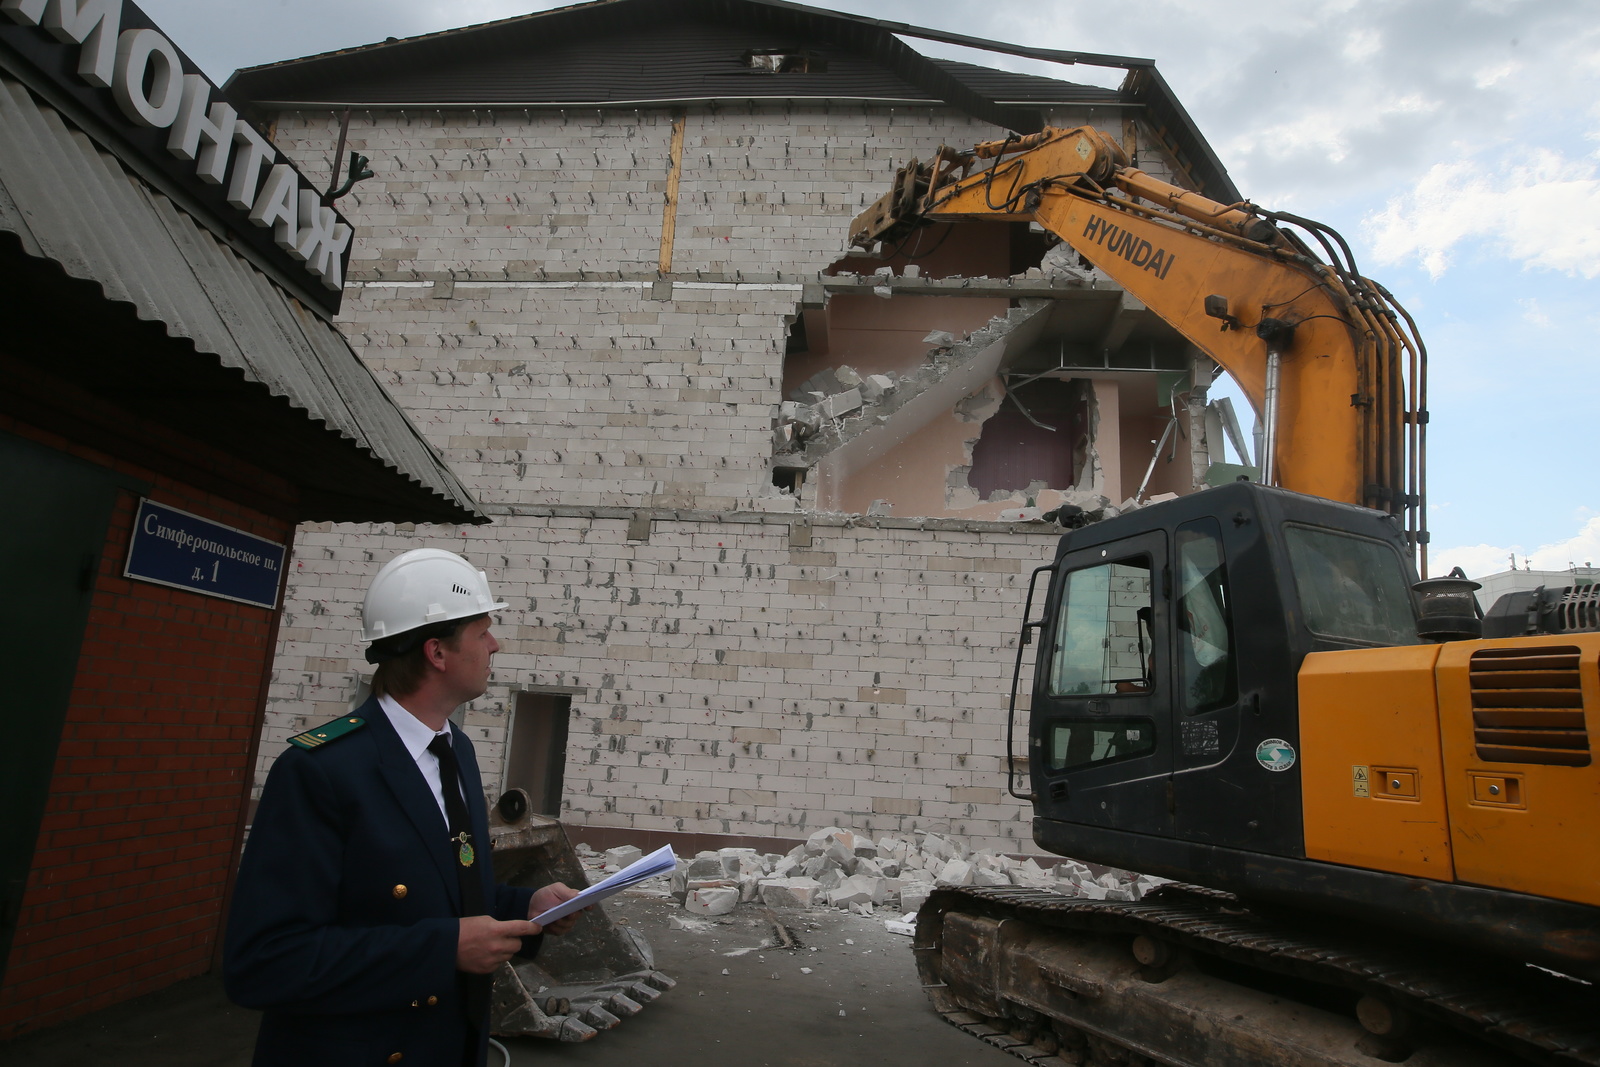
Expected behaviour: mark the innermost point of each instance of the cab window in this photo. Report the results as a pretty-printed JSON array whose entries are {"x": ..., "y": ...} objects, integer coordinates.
[
  {"x": 1204, "y": 619},
  {"x": 1351, "y": 588},
  {"x": 1102, "y": 643}
]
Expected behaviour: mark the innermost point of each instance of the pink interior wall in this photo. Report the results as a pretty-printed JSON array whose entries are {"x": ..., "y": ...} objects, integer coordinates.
[
  {"x": 912, "y": 475},
  {"x": 877, "y": 336}
]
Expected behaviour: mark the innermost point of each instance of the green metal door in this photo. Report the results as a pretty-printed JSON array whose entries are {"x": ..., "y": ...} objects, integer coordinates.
[{"x": 56, "y": 513}]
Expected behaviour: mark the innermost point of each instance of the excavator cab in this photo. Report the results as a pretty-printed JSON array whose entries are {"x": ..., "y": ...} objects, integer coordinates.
[
  {"x": 1165, "y": 682},
  {"x": 1230, "y": 689}
]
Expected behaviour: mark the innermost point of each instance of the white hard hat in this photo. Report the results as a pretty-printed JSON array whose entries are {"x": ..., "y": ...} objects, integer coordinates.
[{"x": 423, "y": 586}]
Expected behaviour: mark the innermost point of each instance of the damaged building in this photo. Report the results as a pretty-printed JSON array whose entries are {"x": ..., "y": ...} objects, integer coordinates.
[{"x": 764, "y": 509}]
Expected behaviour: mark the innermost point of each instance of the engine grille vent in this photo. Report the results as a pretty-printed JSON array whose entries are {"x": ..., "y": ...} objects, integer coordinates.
[
  {"x": 1578, "y": 610},
  {"x": 1527, "y": 706}
]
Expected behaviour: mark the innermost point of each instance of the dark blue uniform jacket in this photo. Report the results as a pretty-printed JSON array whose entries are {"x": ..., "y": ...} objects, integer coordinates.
[{"x": 343, "y": 924}]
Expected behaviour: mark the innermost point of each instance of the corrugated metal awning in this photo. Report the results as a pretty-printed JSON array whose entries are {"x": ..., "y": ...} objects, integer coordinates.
[{"x": 69, "y": 200}]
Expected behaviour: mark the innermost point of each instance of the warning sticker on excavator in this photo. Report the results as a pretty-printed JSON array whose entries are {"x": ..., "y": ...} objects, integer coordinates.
[
  {"x": 1359, "y": 779},
  {"x": 1275, "y": 754}
]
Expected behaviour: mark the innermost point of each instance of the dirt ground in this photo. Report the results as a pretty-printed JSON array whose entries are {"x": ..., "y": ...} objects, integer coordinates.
[{"x": 847, "y": 994}]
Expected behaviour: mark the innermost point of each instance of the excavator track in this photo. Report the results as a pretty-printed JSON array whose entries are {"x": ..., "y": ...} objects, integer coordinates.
[{"x": 1050, "y": 979}]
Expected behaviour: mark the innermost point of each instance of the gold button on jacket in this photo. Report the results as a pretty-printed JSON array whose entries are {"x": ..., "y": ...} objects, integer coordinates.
[{"x": 399, "y": 892}]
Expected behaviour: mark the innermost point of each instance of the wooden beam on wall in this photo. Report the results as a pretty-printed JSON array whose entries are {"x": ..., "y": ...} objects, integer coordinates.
[{"x": 669, "y": 211}]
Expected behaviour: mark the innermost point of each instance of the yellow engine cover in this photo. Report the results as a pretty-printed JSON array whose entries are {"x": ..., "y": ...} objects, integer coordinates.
[
  {"x": 1469, "y": 761},
  {"x": 1372, "y": 774}
]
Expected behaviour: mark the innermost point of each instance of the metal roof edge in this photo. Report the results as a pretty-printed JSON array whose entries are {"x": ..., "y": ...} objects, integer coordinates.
[
  {"x": 1147, "y": 86},
  {"x": 673, "y": 101}
]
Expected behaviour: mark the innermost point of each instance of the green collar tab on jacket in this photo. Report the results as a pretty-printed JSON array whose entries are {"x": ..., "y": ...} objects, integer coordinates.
[{"x": 318, "y": 736}]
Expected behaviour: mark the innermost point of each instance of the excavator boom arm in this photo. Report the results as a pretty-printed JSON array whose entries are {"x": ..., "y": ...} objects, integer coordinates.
[{"x": 1325, "y": 357}]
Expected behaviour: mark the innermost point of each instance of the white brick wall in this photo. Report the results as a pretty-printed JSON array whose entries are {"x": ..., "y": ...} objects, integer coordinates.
[{"x": 725, "y": 681}]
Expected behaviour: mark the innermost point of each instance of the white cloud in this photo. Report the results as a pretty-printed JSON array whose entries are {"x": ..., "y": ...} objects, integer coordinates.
[
  {"x": 1583, "y": 549},
  {"x": 1542, "y": 213}
]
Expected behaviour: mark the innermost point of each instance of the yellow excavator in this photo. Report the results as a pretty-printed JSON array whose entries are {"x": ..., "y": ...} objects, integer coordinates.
[{"x": 1378, "y": 807}]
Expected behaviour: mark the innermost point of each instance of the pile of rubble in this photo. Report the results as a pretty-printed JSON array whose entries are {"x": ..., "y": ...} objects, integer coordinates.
[
  {"x": 822, "y": 399},
  {"x": 840, "y": 869}
]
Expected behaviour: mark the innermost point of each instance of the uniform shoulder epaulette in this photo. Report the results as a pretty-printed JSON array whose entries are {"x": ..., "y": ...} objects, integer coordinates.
[{"x": 318, "y": 736}]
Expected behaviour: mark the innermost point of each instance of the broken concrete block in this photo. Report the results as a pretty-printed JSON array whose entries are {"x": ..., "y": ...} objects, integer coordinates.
[
  {"x": 785, "y": 866},
  {"x": 817, "y": 843},
  {"x": 857, "y": 889},
  {"x": 623, "y": 855},
  {"x": 988, "y": 876},
  {"x": 693, "y": 884},
  {"x": 861, "y": 909},
  {"x": 955, "y": 872},
  {"x": 914, "y": 896},
  {"x": 874, "y": 386},
  {"x": 911, "y": 270},
  {"x": 706, "y": 865},
  {"x": 940, "y": 338},
  {"x": 883, "y": 272},
  {"x": 847, "y": 376},
  {"x": 712, "y": 901},
  {"x": 880, "y": 507},
  {"x": 895, "y": 926},
  {"x": 882, "y": 291},
  {"x": 916, "y": 874},
  {"x": 789, "y": 892},
  {"x": 732, "y": 858},
  {"x": 841, "y": 404},
  {"x": 868, "y": 866},
  {"x": 840, "y": 852}
]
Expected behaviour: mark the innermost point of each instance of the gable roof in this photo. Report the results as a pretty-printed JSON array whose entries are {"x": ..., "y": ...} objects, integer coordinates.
[{"x": 616, "y": 53}]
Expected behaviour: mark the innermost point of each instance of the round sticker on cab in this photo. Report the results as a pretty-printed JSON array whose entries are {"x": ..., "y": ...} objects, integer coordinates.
[{"x": 1275, "y": 754}]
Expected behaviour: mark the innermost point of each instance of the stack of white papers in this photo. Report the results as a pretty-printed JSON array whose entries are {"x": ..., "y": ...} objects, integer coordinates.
[{"x": 659, "y": 862}]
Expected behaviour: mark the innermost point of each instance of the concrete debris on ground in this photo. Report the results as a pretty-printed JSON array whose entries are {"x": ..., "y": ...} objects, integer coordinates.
[{"x": 838, "y": 868}]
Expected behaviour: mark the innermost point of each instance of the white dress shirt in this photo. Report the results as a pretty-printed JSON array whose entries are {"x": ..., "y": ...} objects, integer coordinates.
[{"x": 416, "y": 736}]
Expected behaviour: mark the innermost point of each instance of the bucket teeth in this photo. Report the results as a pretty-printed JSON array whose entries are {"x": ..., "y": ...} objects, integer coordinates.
[
  {"x": 623, "y": 1006},
  {"x": 643, "y": 993},
  {"x": 599, "y": 1018}
]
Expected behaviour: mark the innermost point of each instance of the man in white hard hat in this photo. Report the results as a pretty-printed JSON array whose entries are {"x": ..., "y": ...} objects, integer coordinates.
[{"x": 365, "y": 922}]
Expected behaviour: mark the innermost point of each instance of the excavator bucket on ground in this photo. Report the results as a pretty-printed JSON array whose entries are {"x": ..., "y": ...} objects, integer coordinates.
[{"x": 584, "y": 982}]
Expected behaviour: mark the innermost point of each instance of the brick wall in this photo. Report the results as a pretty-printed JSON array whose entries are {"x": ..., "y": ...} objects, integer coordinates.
[
  {"x": 504, "y": 290},
  {"x": 134, "y": 852}
]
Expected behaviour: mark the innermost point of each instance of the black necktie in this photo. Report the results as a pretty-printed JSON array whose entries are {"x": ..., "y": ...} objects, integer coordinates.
[
  {"x": 475, "y": 988},
  {"x": 463, "y": 849}
]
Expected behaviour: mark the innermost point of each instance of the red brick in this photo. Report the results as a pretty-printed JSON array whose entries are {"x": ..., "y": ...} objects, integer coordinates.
[{"x": 140, "y": 821}]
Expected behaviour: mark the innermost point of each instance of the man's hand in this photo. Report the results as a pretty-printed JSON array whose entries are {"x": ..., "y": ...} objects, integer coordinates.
[
  {"x": 484, "y": 942},
  {"x": 549, "y": 897}
]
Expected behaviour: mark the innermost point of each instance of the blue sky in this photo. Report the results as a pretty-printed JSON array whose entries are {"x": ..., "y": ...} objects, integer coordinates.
[{"x": 1455, "y": 144}]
